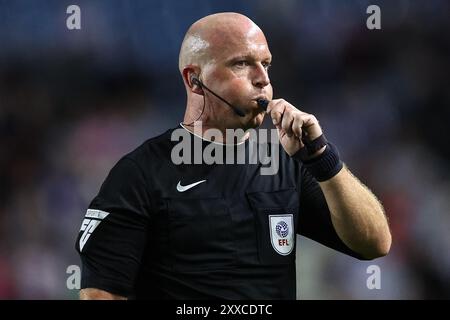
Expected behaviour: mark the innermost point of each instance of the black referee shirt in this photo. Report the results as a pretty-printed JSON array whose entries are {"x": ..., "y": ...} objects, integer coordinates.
[{"x": 157, "y": 230}]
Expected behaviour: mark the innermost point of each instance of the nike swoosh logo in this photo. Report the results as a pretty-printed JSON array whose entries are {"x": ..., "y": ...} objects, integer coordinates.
[{"x": 181, "y": 188}]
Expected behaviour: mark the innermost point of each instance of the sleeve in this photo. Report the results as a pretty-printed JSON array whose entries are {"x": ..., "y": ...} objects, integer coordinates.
[
  {"x": 112, "y": 237},
  {"x": 315, "y": 218}
]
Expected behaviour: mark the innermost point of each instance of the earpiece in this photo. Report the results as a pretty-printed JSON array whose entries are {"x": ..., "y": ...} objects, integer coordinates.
[{"x": 195, "y": 80}]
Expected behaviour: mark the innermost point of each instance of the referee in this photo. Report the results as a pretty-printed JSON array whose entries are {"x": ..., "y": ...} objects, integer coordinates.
[{"x": 161, "y": 230}]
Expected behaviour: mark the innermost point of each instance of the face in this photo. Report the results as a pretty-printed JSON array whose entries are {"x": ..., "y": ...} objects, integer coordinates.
[{"x": 238, "y": 71}]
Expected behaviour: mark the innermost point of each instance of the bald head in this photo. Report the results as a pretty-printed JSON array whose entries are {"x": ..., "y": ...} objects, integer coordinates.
[
  {"x": 228, "y": 52},
  {"x": 215, "y": 34}
]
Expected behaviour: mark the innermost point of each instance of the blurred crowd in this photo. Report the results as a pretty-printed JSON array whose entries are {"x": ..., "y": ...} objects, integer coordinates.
[{"x": 72, "y": 102}]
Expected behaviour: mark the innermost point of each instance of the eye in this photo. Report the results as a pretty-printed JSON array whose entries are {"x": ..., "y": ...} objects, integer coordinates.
[
  {"x": 241, "y": 63},
  {"x": 266, "y": 65}
]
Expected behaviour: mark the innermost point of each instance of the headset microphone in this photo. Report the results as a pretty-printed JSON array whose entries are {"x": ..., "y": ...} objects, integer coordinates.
[{"x": 236, "y": 110}]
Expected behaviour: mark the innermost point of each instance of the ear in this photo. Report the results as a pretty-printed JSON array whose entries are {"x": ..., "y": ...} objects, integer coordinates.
[{"x": 188, "y": 72}]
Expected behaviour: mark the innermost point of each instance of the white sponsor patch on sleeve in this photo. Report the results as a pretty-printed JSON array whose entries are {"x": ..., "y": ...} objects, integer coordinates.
[{"x": 91, "y": 220}]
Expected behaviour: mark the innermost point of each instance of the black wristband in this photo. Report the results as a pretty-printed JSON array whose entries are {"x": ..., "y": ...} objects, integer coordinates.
[
  {"x": 311, "y": 147},
  {"x": 315, "y": 145},
  {"x": 325, "y": 166}
]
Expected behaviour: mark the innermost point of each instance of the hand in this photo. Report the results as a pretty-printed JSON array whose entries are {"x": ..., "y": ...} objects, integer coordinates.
[{"x": 293, "y": 125}]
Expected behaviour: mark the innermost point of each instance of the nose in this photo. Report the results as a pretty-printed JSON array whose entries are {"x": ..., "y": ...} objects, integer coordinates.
[{"x": 260, "y": 77}]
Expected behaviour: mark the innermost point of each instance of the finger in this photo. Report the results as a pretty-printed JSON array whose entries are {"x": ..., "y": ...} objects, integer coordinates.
[
  {"x": 297, "y": 125},
  {"x": 286, "y": 123},
  {"x": 311, "y": 126},
  {"x": 271, "y": 105},
  {"x": 276, "y": 112}
]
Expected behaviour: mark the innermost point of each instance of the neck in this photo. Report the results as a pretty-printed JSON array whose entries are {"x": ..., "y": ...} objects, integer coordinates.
[
  {"x": 215, "y": 134},
  {"x": 205, "y": 125}
]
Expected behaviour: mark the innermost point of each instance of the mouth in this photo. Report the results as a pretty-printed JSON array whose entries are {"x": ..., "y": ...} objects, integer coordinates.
[
  {"x": 261, "y": 102},
  {"x": 264, "y": 97}
]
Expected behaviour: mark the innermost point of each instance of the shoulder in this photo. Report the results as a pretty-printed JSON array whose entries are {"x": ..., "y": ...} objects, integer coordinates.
[
  {"x": 135, "y": 169},
  {"x": 143, "y": 159},
  {"x": 150, "y": 150}
]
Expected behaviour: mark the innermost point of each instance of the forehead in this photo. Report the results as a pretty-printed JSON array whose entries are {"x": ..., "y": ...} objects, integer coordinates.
[{"x": 230, "y": 42}]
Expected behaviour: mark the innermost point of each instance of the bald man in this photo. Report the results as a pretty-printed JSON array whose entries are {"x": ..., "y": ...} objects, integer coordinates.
[{"x": 160, "y": 230}]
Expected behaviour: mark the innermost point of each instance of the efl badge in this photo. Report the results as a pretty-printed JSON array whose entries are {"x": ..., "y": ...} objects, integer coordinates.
[{"x": 282, "y": 233}]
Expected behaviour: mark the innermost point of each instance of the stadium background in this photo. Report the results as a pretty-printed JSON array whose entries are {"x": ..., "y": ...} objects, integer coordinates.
[{"x": 73, "y": 102}]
